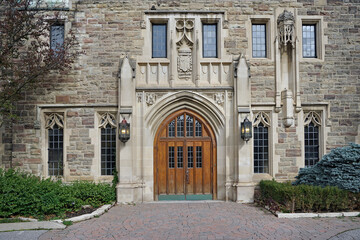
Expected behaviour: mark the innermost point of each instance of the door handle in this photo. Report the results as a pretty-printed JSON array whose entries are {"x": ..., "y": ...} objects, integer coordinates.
[{"x": 187, "y": 177}]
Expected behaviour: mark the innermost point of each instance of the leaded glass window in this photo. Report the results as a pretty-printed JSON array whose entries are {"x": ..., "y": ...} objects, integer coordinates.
[
  {"x": 171, "y": 128},
  {"x": 309, "y": 40},
  {"x": 108, "y": 150},
  {"x": 209, "y": 40},
  {"x": 180, "y": 126},
  {"x": 56, "y": 37},
  {"x": 171, "y": 157},
  {"x": 190, "y": 154},
  {"x": 261, "y": 149},
  {"x": 189, "y": 126},
  {"x": 159, "y": 41},
  {"x": 198, "y": 129},
  {"x": 311, "y": 144},
  {"x": 180, "y": 159},
  {"x": 55, "y": 151},
  {"x": 259, "y": 41},
  {"x": 198, "y": 157}
]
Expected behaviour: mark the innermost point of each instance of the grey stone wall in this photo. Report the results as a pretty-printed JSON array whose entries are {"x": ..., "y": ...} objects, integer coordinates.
[{"x": 106, "y": 30}]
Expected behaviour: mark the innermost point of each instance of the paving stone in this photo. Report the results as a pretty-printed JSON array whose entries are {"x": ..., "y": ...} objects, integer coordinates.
[{"x": 218, "y": 220}]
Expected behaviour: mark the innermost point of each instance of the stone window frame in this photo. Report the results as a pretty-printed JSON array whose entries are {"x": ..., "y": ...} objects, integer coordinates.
[
  {"x": 219, "y": 38},
  {"x": 97, "y": 150},
  {"x": 272, "y": 139},
  {"x": 320, "y": 40},
  {"x": 45, "y": 143},
  {"x": 166, "y": 40},
  {"x": 268, "y": 20},
  {"x": 216, "y": 37},
  {"x": 324, "y": 113},
  {"x": 315, "y": 118},
  {"x": 158, "y": 21}
]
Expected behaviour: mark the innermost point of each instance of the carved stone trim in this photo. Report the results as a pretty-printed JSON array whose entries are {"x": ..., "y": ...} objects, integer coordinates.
[
  {"x": 219, "y": 98},
  {"x": 286, "y": 29},
  {"x": 52, "y": 119},
  {"x": 107, "y": 118},
  {"x": 261, "y": 117},
  {"x": 312, "y": 117},
  {"x": 139, "y": 96},
  {"x": 184, "y": 46},
  {"x": 150, "y": 98}
]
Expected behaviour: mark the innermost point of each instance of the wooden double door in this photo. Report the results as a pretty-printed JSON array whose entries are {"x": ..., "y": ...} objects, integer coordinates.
[{"x": 184, "y": 154}]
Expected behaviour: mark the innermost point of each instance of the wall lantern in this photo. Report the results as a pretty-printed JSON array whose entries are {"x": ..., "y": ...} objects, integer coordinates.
[
  {"x": 246, "y": 129},
  {"x": 124, "y": 131}
]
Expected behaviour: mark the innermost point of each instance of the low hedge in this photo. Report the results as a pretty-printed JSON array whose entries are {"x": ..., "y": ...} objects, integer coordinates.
[
  {"x": 305, "y": 198},
  {"x": 27, "y": 195}
]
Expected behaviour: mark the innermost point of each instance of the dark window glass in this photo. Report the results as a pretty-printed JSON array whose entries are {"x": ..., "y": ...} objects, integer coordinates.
[
  {"x": 311, "y": 145},
  {"x": 309, "y": 41},
  {"x": 190, "y": 154},
  {"x": 189, "y": 126},
  {"x": 261, "y": 149},
  {"x": 180, "y": 157},
  {"x": 171, "y": 157},
  {"x": 172, "y": 128},
  {"x": 180, "y": 126},
  {"x": 108, "y": 150},
  {"x": 209, "y": 41},
  {"x": 55, "y": 158},
  {"x": 56, "y": 37},
  {"x": 198, "y": 129},
  {"x": 259, "y": 40},
  {"x": 159, "y": 41},
  {"x": 198, "y": 157}
]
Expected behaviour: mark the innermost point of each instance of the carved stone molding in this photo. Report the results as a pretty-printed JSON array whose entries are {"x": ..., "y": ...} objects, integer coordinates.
[
  {"x": 312, "y": 117},
  {"x": 139, "y": 96},
  {"x": 52, "y": 119},
  {"x": 286, "y": 29},
  {"x": 150, "y": 98},
  {"x": 107, "y": 118},
  {"x": 184, "y": 46},
  {"x": 261, "y": 117},
  {"x": 219, "y": 98}
]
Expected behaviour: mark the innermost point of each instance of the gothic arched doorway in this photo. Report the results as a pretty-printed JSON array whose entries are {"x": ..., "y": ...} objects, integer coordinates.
[{"x": 185, "y": 158}]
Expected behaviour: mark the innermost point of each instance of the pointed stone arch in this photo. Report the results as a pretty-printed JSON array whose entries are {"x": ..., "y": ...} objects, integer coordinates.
[{"x": 185, "y": 100}]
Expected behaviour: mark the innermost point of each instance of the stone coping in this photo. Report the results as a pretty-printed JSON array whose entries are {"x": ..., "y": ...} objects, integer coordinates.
[{"x": 312, "y": 215}]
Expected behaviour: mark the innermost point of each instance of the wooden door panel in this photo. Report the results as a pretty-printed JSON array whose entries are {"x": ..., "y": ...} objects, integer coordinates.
[
  {"x": 179, "y": 168},
  {"x": 184, "y": 156},
  {"x": 161, "y": 170},
  {"x": 207, "y": 167}
]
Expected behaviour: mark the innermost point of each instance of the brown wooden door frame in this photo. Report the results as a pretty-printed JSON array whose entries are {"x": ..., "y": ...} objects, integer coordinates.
[{"x": 212, "y": 139}]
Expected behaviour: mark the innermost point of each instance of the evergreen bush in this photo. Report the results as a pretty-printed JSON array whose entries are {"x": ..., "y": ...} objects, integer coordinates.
[
  {"x": 27, "y": 195},
  {"x": 340, "y": 167}
]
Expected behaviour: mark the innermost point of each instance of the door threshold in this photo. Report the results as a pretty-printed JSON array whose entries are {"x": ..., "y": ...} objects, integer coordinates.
[{"x": 187, "y": 201}]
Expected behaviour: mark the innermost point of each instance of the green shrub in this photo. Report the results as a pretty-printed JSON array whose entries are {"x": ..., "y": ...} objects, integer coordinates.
[
  {"x": 306, "y": 198},
  {"x": 24, "y": 194},
  {"x": 340, "y": 168}
]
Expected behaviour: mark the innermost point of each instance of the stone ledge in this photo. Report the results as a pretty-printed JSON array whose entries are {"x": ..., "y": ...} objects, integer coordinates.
[{"x": 312, "y": 215}]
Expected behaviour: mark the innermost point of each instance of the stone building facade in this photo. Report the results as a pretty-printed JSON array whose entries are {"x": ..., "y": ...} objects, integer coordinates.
[{"x": 185, "y": 75}]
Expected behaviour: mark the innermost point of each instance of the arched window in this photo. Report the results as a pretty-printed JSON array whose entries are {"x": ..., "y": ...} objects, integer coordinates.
[
  {"x": 261, "y": 142},
  {"x": 312, "y": 123},
  {"x": 108, "y": 144},
  {"x": 55, "y": 128}
]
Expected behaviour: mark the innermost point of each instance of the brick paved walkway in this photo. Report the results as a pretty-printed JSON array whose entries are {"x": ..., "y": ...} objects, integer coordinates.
[{"x": 200, "y": 221}]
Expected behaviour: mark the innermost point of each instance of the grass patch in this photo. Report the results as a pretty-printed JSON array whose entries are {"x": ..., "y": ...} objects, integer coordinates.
[
  {"x": 11, "y": 220},
  {"x": 67, "y": 223}
]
